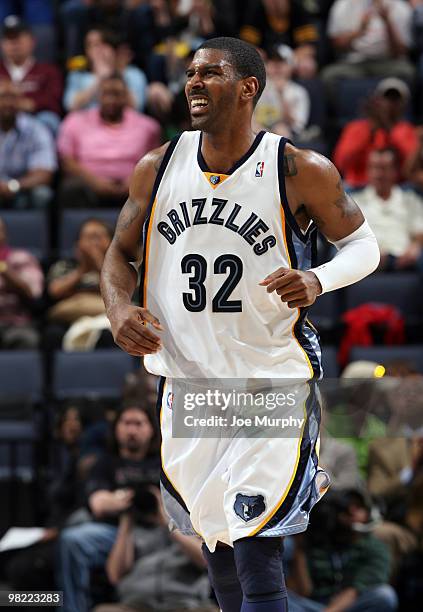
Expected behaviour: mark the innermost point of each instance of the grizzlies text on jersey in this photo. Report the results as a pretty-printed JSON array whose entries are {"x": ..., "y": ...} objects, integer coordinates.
[{"x": 209, "y": 239}]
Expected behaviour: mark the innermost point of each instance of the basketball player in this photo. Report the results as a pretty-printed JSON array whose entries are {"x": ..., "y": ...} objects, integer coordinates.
[{"x": 229, "y": 219}]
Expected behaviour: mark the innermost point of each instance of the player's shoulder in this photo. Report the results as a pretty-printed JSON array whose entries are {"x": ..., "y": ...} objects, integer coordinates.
[
  {"x": 152, "y": 160},
  {"x": 146, "y": 171},
  {"x": 306, "y": 166}
]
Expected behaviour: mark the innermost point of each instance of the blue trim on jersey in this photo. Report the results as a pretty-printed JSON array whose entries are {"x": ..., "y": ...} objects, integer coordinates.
[
  {"x": 303, "y": 236},
  {"x": 306, "y": 343},
  {"x": 204, "y": 167},
  {"x": 164, "y": 163},
  {"x": 307, "y": 450},
  {"x": 299, "y": 333}
]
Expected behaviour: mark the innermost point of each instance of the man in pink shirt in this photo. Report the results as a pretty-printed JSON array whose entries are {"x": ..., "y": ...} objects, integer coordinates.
[{"x": 99, "y": 148}]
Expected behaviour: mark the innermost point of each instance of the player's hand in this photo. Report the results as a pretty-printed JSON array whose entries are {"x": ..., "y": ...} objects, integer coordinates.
[
  {"x": 295, "y": 287},
  {"x": 130, "y": 331}
]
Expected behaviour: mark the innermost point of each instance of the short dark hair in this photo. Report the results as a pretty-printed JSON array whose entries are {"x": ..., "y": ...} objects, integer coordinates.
[
  {"x": 245, "y": 59},
  {"x": 103, "y": 224},
  {"x": 115, "y": 76}
]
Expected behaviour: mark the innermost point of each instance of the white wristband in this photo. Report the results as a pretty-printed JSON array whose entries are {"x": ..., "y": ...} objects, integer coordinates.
[{"x": 358, "y": 256}]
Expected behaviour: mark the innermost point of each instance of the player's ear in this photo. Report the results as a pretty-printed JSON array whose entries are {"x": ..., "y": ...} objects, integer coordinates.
[{"x": 250, "y": 88}]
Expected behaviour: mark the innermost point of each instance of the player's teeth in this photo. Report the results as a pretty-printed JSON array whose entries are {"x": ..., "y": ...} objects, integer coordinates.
[{"x": 199, "y": 102}]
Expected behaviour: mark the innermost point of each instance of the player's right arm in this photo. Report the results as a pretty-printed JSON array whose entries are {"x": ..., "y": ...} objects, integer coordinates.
[{"x": 118, "y": 276}]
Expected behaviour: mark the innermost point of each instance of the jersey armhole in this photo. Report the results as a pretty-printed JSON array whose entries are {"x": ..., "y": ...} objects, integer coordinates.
[
  {"x": 162, "y": 168},
  {"x": 303, "y": 236}
]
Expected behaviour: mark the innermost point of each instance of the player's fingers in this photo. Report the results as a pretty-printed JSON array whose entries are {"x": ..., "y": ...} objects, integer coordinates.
[
  {"x": 281, "y": 281},
  {"x": 143, "y": 331},
  {"x": 292, "y": 287},
  {"x": 289, "y": 296},
  {"x": 131, "y": 348},
  {"x": 300, "y": 303},
  {"x": 273, "y": 275},
  {"x": 150, "y": 318},
  {"x": 140, "y": 340}
]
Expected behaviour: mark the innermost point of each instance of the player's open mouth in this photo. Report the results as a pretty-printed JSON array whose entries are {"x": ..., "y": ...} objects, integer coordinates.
[{"x": 198, "y": 105}]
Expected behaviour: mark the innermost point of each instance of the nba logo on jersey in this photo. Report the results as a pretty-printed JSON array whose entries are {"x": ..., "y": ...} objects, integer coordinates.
[
  {"x": 214, "y": 179},
  {"x": 259, "y": 169},
  {"x": 169, "y": 400}
]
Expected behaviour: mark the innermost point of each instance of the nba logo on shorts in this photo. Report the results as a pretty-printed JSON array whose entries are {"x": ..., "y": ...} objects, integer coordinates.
[
  {"x": 259, "y": 169},
  {"x": 169, "y": 400}
]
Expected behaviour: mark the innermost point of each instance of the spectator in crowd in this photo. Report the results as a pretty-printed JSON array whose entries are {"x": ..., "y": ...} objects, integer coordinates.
[
  {"x": 384, "y": 126},
  {"x": 75, "y": 284},
  {"x": 99, "y": 148},
  {"x": 21, "y": 283},
  {"x": 105, "y": 55},
  {"x": 140, "y": 385},
  {"x": 356, "y": 412},
  {"x": 267, "y": 23},
  {"x": 205, "y": 19},
  {"x": 272, "y": 22},
  {"x": 340, "y": 461},
  {"x": 127, "y": 18},
  {"x": 413, "y": 167},
  {"x": 40, "y": 85},
  {"x": 138, "y": 552},
  {"x": 395, "y": 464},
  {"x": 27, "y": 154},
  {"x": 283, "y": 102},
  {"x": 110, "y": 489},
  {"x": 372, "y": 39},
  {"x": 39, "y": 15},
  {"x": 394, "y": 214},
  {"x": 342, "y": 567}
]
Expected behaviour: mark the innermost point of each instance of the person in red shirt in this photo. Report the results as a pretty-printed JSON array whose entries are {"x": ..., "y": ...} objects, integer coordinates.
[
  {"x": 384, "y": 126},
  {"x": 41, "y": 85}
]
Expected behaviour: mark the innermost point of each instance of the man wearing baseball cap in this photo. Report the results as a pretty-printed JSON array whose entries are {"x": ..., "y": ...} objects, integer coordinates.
[{"x": 40, "y": 84}]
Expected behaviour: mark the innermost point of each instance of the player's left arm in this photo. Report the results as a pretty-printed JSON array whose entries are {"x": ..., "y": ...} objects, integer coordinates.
[{"x": 316, "y": 192}]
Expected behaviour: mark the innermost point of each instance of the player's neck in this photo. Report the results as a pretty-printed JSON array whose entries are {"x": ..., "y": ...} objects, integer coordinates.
[{"x": 221, "y": 151}]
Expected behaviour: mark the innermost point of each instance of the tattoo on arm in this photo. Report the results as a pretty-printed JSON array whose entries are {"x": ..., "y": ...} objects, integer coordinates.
[
  {"x": 345, "y": 203},
  {"x": 129, "y": 213},
  {"x": 289, "y": 165}
]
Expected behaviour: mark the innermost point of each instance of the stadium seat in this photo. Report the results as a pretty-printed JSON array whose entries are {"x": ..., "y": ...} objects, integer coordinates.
[
  {"x": 21, "y": 384},
  {"x": 27, "y": 229},
  {"x": 330, "y": 363},
  {"x": 71, "y": 221},
  {"x": 386, "y": 354},
  {"x": 97, "y": 374},
  {"x": 313, "y": 136},
  {"x": 401, "y": 290},
  {"x": 351, "y": 94},
  {"x": 318, "y": 110},
  {"x": 17, "y": 440},
  {"x": 20, "y": 376}
]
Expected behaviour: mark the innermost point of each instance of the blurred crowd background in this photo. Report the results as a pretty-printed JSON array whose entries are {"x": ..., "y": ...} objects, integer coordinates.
[{"x": 87, "y": 87}]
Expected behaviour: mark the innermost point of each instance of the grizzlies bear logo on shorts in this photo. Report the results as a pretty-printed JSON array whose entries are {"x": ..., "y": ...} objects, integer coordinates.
[{"x": 249, "y": 507}]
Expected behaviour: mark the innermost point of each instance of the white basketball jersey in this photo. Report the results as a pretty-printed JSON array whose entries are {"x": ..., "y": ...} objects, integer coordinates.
[{"x": 209, "y": 239}]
